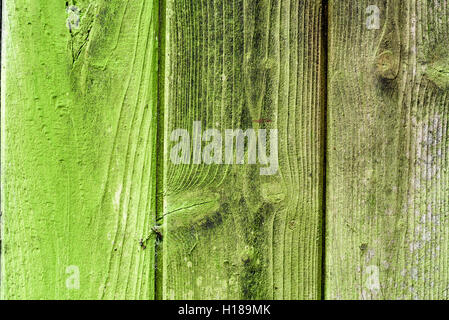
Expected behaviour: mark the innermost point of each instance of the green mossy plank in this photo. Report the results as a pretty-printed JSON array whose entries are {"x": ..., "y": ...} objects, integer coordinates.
[
  {"x": 387, "y": 173},
  {"x": 78, "y": 148},
  {"x": 228, "y": 231}
]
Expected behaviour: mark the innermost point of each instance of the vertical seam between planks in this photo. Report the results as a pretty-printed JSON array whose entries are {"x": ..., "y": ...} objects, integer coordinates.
[
  {"x": 158, "y": 252},
  {"x": 325, "y": 64}
]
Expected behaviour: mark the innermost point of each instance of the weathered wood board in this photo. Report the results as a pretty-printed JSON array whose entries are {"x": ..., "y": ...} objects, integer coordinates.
[
  {"x": 230, "y": 232},
  {"x": 387, "y": 156},
  {"x": 101, "y": 200},
  {"x": 79, "y": 98}
]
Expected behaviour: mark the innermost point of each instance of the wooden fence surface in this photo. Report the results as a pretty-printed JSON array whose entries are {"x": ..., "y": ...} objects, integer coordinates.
[
  {"x": 235, "y": 233},
  {"x": 98, "y": 202},
  {"x": 387, "y": 167}
]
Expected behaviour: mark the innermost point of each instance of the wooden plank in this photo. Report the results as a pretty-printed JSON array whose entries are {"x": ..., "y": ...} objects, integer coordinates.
[
  {"x": 387, "y": 203},
  {"x": 230, "y": 232},
  {"x": 79, "y": 96}
]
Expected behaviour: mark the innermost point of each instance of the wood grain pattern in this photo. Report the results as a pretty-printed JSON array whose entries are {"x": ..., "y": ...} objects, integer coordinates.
[
  {"x": 228, "y": 231},
  {"x": 93, "y": 89},
  {"x": 78, "y": 148},
  {"x": 387, "y": 186}
]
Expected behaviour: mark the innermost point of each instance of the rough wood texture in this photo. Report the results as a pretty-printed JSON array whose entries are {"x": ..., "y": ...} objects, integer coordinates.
[
  {"x": 78, "y": 142},
  {"x": 387, "y": 204},
  {"x": 230, "y": 232}
]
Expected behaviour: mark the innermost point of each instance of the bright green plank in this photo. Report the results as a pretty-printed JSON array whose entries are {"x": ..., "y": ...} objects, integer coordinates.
[{"x": 78, "y": 141}]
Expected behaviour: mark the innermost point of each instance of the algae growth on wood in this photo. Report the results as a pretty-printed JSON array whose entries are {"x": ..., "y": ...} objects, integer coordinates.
[
  {"x": 388, "y": 179},
  {"x": 79, "y": 94},
  {"x": 231, "y": 232}
]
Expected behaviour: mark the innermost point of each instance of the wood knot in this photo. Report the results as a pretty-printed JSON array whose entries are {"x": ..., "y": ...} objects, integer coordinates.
[{"x": 387, "y": 65}]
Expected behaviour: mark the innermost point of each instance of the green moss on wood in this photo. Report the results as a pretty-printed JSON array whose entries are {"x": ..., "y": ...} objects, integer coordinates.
[{"x": 78, "y": 149}]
